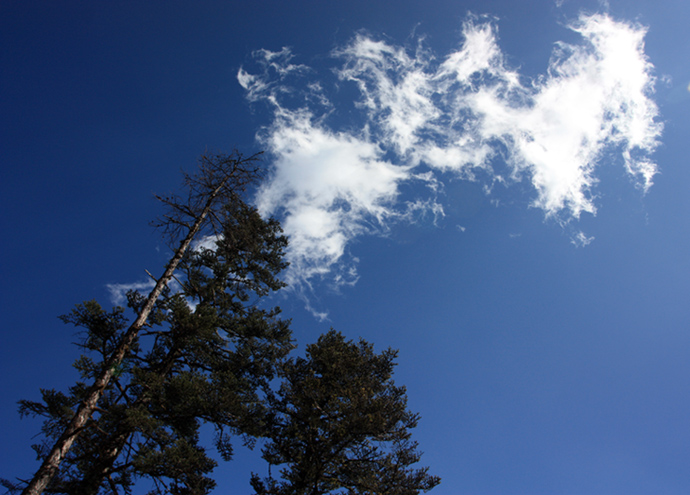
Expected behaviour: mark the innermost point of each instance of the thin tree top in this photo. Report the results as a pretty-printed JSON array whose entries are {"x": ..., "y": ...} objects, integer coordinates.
[{"x": 219, "y": 179}]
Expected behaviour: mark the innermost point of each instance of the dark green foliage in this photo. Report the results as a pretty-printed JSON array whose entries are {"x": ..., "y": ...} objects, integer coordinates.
[
  {"x": 207, "y": 356},
  {"x": 342, "y": 426}
]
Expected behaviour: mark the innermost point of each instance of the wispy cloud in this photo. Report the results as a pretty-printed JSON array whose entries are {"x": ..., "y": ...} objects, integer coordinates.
[
  {"x": 579, "y": 239},
  {"x": 419, "y": 117},
  {"x": 118, "y": 292}
]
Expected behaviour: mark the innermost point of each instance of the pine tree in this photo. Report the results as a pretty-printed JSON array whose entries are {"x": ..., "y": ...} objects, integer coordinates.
[
  {"x": 201, "y": 354},
  {"x": 342, "y": 426},
  {"x": 203, "y": 350}
]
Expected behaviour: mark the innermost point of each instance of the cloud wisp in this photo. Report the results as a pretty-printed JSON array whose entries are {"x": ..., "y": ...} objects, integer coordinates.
[
  {"x": 338, "y": 164},
  {"x": 118, "y": 292}
]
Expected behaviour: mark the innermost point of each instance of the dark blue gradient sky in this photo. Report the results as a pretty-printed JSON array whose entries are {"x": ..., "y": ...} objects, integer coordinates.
[{"x": 539, "y": 364}]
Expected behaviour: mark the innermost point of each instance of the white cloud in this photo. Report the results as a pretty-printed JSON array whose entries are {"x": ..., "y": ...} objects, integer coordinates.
[
  {"x": 276, "y": 67},
  {"x": 330, "y": 187},
  {"x": 118, "y": 292},
  {"x": 425, "y": 118},
  {"x": 596, "y": 96},
  {"x": 579, "y": 239}
]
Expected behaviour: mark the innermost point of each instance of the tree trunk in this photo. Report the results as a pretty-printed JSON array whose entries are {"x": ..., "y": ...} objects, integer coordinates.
[
  {"x": 86, "y": 409},
  {"x": 103, "y": 468}
]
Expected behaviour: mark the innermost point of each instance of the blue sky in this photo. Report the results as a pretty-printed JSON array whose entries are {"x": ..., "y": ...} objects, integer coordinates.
[{"x": 498, "y": 189}]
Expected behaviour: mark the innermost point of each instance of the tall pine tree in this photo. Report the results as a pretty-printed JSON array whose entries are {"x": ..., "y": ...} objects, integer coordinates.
[{"x": 201, "y": 354}]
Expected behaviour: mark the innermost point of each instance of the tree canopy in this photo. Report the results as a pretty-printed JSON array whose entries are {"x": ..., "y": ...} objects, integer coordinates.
[
  {"x": 206, "y": 355},
  {"x": 342, "y": 424},
  {"x": 204, "y": 349}
]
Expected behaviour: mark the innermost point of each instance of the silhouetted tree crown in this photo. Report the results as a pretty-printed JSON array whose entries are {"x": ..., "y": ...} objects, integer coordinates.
[{"x": 342, "y": 424}]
